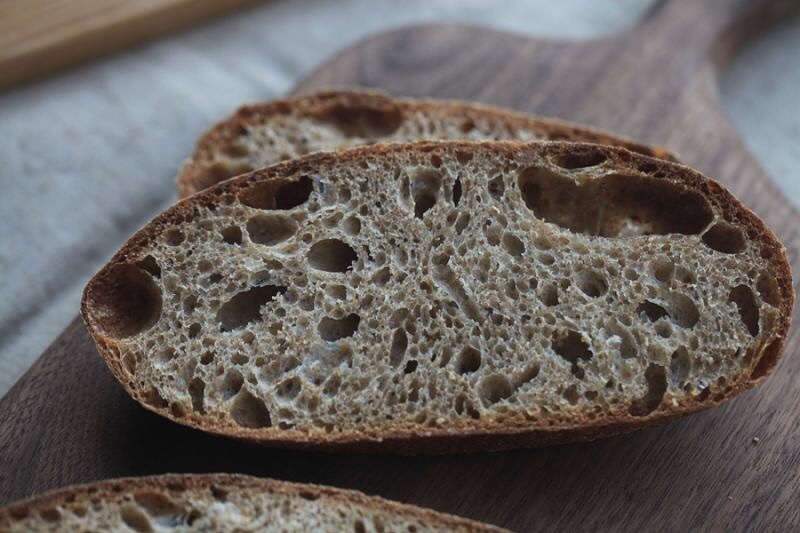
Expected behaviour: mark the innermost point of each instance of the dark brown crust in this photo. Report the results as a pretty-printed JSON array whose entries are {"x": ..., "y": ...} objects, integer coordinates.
[
  {"x": 171, "y": 483},
  {"x": 194, "y": 176},
  {"x": 484, "y": 434}
]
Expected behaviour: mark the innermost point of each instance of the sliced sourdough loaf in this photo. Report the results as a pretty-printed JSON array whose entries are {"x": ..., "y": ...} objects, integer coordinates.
[
  {"x": 259, "y": 135},
  {"x": 220, "y": 502},
  {"x": 444, "y": 296}
]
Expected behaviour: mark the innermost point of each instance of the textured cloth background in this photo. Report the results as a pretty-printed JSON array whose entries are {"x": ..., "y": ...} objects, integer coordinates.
[{"x": 87, "y": 157}]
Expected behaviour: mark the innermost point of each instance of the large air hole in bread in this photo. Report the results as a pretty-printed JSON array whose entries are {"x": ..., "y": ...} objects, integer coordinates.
[
  {"x": 245, "y": 307},
  {"x": 614, "y": 205},
  {"x": 361, "y": 121},
  {"x": 283, "y": 195},
  {"x": 414, "y": 289},
  {"x": 125, "y": 299}
]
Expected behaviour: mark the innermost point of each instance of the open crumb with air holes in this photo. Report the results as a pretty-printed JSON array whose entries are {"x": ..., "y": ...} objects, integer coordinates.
[
  {"x": 262, "y": 134},
  {"x": 445, "y": 296},
  {"x": 220, "y": 502}
]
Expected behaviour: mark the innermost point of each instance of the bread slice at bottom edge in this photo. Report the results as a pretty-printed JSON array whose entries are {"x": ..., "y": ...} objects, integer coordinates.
[
  {"x": 265, "y": 133},
  {"x": 440, "y": 297},
  {"x": 220, "y": 502}
]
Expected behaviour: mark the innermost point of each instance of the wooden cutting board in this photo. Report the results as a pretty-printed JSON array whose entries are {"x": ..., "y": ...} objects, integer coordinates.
[
  {"x": 734, "y": 467},
  {"x": 39, "y": 37}
]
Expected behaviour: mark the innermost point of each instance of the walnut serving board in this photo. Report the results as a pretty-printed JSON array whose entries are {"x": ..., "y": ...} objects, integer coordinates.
[{"x": 735, "y": 467}]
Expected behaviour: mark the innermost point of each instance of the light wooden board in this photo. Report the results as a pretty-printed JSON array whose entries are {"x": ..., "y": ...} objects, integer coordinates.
[{"x": 38, "y": 37}]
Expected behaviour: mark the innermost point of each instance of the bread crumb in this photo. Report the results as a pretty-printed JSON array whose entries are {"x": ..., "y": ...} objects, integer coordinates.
[
  {"x": 221, "y": 502},
  {"x": 756, "y": 440},
  {"x": 525, "y": 319}
]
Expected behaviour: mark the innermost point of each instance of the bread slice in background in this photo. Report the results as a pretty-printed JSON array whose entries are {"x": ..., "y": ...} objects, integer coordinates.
[
  {"x": 437, "y": 297},
  {"x": 262, "y": 134},
  {"x": 220, "y": 502}
]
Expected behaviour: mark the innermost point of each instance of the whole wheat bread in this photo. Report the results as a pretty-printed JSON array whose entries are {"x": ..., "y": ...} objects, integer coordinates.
[
  {"x": 259, "y": 135},
  {"x": 220, "y": 502},
  {"x": 444, "y": 296}
]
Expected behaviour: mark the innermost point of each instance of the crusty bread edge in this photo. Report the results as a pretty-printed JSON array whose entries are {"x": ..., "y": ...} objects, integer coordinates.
[
  {"x": 171, "y": 482},
  {"x": 310, "y": 104},
  {"x": 483, "y": 435}
]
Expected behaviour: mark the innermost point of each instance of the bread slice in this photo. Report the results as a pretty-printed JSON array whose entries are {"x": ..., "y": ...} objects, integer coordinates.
[
  {"x": 444, "y": 296},
  {"x": 220, "y": 502},
  {"x": 262, "y": 134}
]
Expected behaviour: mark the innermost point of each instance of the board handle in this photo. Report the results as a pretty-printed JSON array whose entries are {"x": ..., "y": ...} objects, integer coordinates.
[{"x": 712, "y": 28}]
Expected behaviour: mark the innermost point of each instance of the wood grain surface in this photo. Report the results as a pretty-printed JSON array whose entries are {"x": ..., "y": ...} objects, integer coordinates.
[
  {"x": 38, "y": 37},
  {"x": 736, "y": 467}
]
